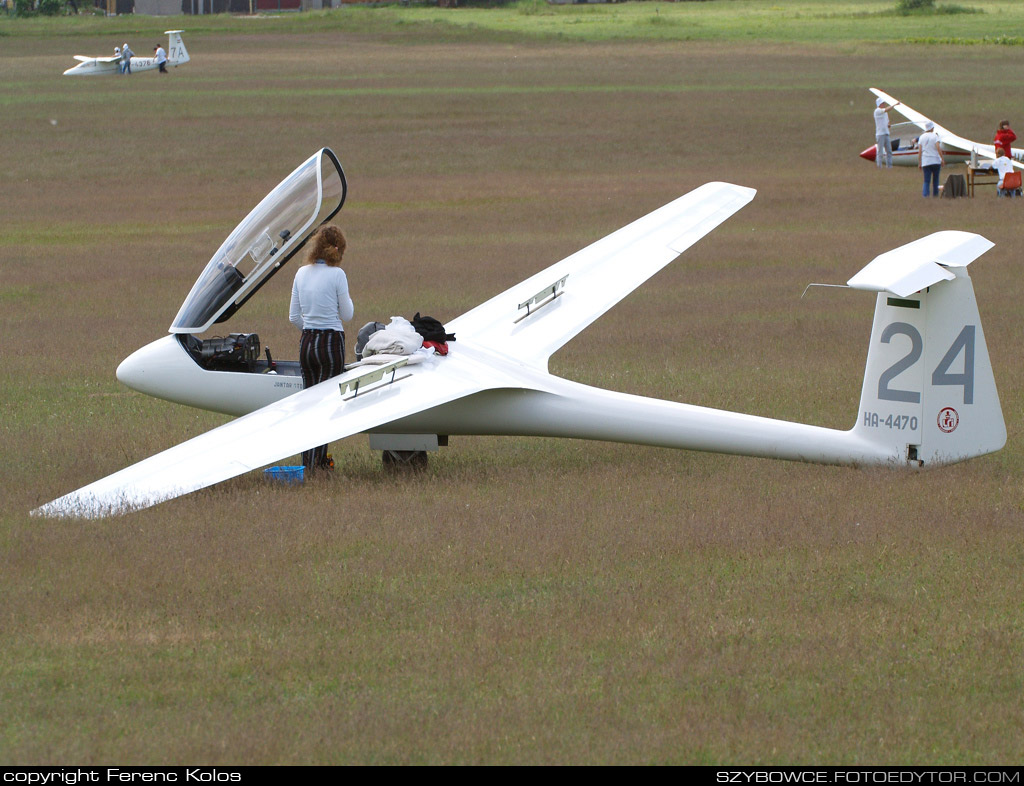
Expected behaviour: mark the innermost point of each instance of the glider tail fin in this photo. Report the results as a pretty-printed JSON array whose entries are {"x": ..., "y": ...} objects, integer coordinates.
[
  {"x": 929, "y": 394},
  {"x": 177, "y": 54}
]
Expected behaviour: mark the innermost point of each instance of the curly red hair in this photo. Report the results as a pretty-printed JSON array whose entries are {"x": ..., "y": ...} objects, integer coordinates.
[{"x": 328, "y": 244}]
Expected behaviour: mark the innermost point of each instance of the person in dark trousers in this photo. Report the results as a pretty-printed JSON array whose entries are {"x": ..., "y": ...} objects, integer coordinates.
[
  {"x": 320, "y": 303},
  {"x": 930, "y": 158},
  {"x": 161, "y": 58}
]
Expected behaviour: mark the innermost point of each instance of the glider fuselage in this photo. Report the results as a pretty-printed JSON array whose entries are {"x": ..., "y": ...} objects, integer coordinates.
[{"x": 531, "y": 403}]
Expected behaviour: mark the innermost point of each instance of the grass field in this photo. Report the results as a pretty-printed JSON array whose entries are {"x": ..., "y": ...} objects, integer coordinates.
[{"x": 524, "y": 601}]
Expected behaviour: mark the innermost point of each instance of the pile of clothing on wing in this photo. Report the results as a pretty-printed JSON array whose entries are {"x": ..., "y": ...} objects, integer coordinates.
[{"x": 417, "y": 340}]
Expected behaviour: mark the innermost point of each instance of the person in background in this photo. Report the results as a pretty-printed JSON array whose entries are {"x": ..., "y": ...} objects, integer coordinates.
[
  {"x": 882, "y": 141},
  {"x": 320, "y": 303},
  {"x": 161, "y": 58},
  {"x": 1003, "y": 165},
  {"x": 930, "y": 158},
  {"x": 126, "y": 59},
  {"x": 1005, "y": 138}
]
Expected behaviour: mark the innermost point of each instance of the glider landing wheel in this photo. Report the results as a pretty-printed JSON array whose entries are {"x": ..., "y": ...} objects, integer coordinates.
[{"x": 404, "y": 460}]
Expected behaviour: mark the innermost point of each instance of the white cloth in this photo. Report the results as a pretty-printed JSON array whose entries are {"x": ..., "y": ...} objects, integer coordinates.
[
  {"x": 929, "y": 142},
  {"x": 421, "y": 355},
  {"x": 398, "y": 337},
  {"x": 881, "y": 122},
  {"x": 320, "y": 299},
  {"x": 1002, "y": 165}
]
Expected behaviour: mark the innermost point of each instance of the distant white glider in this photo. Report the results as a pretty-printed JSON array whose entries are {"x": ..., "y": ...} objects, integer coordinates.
[
  {"x": 956, "y": 149},
  {"x": 98, "y": 66}
]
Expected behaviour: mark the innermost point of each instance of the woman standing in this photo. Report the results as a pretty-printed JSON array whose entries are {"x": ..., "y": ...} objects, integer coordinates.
[
  {"x": 320, "y": 303},
  {"x": 930, "y": 158}
]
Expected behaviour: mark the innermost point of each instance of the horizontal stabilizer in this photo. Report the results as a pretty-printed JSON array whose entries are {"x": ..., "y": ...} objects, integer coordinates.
[{"x": 920, "y": 264}]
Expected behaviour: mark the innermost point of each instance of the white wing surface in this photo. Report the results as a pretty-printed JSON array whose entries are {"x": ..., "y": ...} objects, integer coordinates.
[
  {"x": 595, "y": 278},
  {"x": 304, "y": 420},
  {"x": 489, "y": 337},
  {"x": 914, "y": 266},
  {"x": 948, "y": 138}
]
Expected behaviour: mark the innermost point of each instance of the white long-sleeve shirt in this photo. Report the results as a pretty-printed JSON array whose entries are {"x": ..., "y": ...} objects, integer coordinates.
[
  {"x": 881, "y": 122},
  {"x": 1002, "y": 165},
  {"x": 320, "y": 299}
]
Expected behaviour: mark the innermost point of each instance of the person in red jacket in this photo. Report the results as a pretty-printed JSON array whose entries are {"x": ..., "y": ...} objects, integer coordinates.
[{"x": 1005, "y": 137}]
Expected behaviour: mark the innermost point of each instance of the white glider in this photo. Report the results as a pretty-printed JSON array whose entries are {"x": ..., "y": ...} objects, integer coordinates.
[
  {"x": 929, "y": 396},
  {"x": 98, "y": 66},
  {"x": 956, "y": 149}
]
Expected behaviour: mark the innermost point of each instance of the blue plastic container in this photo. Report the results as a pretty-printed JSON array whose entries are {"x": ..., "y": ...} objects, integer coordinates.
[{"x": 285, "y": 474}]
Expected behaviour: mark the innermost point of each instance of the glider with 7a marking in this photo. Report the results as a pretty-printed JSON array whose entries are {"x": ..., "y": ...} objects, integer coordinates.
[
  {"x": 99, "y": 66},
  {"x": 929, "y": 396},
  {"x": 956, "y": 149}
]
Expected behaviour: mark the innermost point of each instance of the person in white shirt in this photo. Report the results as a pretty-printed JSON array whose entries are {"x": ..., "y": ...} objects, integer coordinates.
[
  {"x": 161, "y": 58},
  {"x": 930, "y": 158},
  {"x": 320, "y": 302},
  {"x": 882, "y": 141},
  {"x": 1003, "y": 165}
]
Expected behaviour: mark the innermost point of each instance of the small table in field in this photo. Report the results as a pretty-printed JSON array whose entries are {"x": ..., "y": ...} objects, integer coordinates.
[{"x": 982, "y": 176}]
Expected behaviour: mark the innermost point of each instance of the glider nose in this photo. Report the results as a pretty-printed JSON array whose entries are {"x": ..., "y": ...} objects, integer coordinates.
[
  {"x": 870, "y": 153},
  {"x": 153, "y": 369},
  {"x": 132, "y": 369}
]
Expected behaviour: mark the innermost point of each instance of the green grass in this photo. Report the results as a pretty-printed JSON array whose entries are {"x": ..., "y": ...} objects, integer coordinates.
[{"x": 823, "y": 21}]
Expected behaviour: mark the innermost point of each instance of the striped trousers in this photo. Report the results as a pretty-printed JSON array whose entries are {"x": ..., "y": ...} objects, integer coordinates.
[{"x": 321, "y": 356}]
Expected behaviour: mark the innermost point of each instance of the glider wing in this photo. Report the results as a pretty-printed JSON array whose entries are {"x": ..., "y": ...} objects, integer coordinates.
[
  {"x": 312, "y": 417},
  {"x": 533, "y": 319}
]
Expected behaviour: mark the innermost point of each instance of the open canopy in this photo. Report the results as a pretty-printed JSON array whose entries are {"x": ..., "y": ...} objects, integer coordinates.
[{"x": 267, "y": 238}]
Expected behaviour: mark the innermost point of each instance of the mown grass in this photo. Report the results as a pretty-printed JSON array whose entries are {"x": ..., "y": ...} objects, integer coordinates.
[
  {"x": 524, "y": 601},
  {"x": 807, "y": 21}
]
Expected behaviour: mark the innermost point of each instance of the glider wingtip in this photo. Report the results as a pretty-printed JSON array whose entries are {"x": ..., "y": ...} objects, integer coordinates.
[{"x": 746, "y": 192}]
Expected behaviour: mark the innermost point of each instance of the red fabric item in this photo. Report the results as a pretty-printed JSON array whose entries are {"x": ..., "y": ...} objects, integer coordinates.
[
  {"x": 1004, "y": 139},
  {"x": 440, "y": 347}
]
